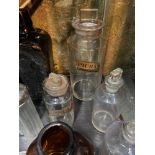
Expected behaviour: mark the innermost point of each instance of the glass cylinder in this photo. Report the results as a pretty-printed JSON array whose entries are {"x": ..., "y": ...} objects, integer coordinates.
[
  {"x": 108, "y": 98},
  {"x": 58, "y": 98},
  {"x": 58, "y": 138},
  {"x": 29, "y": 120},
  {"x": 86, "y": 54},
  {"x": 120, "y": 138}
]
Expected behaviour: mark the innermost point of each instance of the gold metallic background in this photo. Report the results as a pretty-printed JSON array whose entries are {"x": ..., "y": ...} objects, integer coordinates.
[{"x": 54, "y": 16}]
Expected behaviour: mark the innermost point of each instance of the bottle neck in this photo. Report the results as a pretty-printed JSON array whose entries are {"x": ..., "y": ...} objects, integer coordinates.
[
  {"x": 55, "y": 138},
  {"x": 88, "y": 34},
  {"x": 25, "y": 22},
  {"x": 114, "y": 81}
]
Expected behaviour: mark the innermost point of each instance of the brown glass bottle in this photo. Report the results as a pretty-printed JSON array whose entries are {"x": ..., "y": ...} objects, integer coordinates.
[
  {"x": 58, "y": 138},
  {"x": 35, "y": 56}
]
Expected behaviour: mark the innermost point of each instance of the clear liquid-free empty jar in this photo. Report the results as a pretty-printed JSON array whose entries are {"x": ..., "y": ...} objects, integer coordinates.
[
  {"x": 108, "y": 97},
  {"x": 86, "y": 54},
  {"x": 58, "y": 98},
  {"x": 120, "y": 138},
  {"x": 30, "y": 123}
]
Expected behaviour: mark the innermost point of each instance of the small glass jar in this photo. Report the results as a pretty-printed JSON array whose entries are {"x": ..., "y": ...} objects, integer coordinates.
[
  {"x": 109, "y": 97},
  {"x": 57, "y": 138},
  {"x": 58, "y": 98},
  {"x": 120, "y": 138},
  {"x": 29, "y": 120},
  {"x": 86, "y": 54}
]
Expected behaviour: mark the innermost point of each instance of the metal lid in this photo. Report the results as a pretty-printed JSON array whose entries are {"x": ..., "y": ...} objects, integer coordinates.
[
  {"x": 88, "y": 23},
  {"x": 56, "y": 84},
  {"x": 114, "y": 81}
]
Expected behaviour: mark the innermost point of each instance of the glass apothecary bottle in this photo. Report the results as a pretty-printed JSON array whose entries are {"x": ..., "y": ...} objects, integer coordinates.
[
  {"x": 58, "y": 138},
  {"x": 109, "y": 97},
  {"x": 120, "y": 138},
  {"x": 34, "y": 56},
  {"x": 86, "y": 54},
  {"x": 29, "y": 120},
  {"x": 58, "y": 98}
]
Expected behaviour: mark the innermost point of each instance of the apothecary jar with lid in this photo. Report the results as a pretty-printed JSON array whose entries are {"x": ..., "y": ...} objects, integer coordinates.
[{"x": 86, "y": 54}]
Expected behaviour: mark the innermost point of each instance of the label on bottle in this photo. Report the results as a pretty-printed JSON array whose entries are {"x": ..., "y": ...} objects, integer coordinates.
[
  {"x": 62, "y": 111},
  {"x": 87, "y": 66}
]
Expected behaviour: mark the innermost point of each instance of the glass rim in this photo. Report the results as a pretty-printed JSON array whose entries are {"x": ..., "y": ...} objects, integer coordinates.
[{"x": 47, "y": 128}]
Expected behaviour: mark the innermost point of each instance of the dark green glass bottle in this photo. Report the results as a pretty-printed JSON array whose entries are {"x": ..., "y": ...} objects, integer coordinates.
[{"x": 35, "y": 59}]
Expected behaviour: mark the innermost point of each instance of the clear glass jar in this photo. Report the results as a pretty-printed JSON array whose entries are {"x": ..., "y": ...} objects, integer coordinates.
[
  {"x": 109, "y": 97},
  {"x": 86, "y": 54},
  {"x": 58, "y": 98},
  {"x": 29, "y": 120},
  {"x": 120, "y": 138},
  {"x": 57, "y": 138}
]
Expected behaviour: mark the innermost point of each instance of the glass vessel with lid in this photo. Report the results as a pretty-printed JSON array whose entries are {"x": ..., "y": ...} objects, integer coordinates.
[
  {"x": 86, "y": 54},
  {"x": 57, "y": 138},
  {"x": 120, "y": 138},
  {"x": 57, "y": 97},
  {"x": 35, "y": 56},
  {"x": 110, "y": 97}
]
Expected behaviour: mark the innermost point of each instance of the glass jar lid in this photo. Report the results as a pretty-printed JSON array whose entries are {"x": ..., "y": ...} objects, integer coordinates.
[
  {"x": 56, "y": 84},
  {"x": 88, "y": 23}
]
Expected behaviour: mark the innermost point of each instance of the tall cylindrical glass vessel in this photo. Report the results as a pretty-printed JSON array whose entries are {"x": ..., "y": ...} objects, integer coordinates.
[
  {"x": 86, "y": 54},
  {"x": 29, "y": 120}
]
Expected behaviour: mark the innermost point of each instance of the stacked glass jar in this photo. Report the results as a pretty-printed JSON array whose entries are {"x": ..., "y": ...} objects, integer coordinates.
[
  {"x": 111, "y": 101},
  {"x": 86, "y": 59}
]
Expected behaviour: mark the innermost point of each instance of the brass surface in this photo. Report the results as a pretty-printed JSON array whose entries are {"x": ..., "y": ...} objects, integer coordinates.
[
  {"x": 118, "y": 34},
  {"x": 54, "y": 16}
]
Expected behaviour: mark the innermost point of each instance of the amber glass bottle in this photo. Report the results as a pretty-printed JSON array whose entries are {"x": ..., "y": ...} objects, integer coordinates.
[
  {"x": 58, "y": 138},
  {"x": 35, "y": 56}
]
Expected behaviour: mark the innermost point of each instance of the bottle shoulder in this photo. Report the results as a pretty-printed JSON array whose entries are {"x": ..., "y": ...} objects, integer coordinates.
[
  {"x": 82, "y": 146},
  {"x": 31, "y": 50},
  {"x": 103, "y": 96},
  {"x": 42, "y": 34},
  {"x": 56, "y": 100},
  {"x": 34, "y": 36}
]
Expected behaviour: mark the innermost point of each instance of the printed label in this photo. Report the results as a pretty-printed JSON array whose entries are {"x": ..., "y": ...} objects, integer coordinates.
[
  {"x": 87, "y": 66},
  {"x": 62, "y": 111}
]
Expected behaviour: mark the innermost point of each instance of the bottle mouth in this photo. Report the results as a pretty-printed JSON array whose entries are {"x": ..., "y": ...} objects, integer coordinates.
[
  {"x": 88, "y": 27},
  {"x": 55, "y": 138}
]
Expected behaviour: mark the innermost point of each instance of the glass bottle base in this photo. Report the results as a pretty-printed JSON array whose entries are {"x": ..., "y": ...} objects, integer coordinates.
[
  {"x": 83, "y": 90},
  {"x": 101, "y": 120}
]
